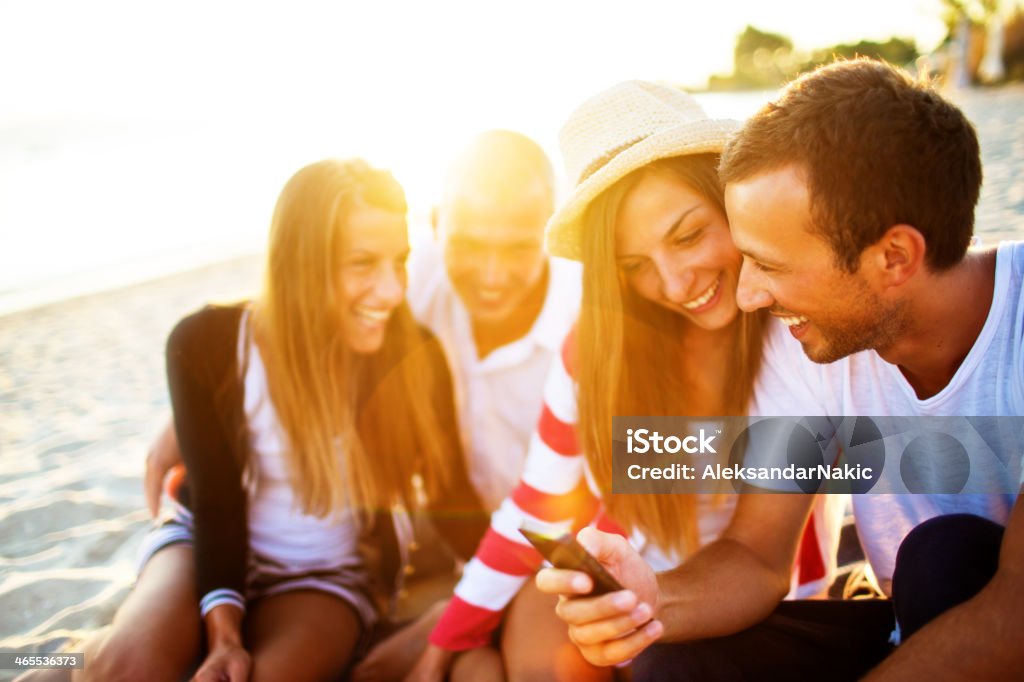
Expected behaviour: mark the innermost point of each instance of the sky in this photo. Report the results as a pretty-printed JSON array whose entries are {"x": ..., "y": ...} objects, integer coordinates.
[
  {"x": 187, "y": 117},
  {"x": 192, "y": 58},
  {"x": 389, "y": 75}
]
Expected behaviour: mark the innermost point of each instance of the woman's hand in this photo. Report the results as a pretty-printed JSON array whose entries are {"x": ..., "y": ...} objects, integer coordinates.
[
  {"x": 614, "y": 627},
  {"x": 432, "y": 666},
  {"x": 162, "y": 455},
  {"x": 227, "y": 663}
]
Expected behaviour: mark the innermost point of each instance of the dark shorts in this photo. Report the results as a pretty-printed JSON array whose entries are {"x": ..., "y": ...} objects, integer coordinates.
[{"x": 266, "y": 577}]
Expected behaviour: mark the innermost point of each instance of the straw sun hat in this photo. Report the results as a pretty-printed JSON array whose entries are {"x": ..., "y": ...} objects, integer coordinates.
[{"x": 617, "y": 131}]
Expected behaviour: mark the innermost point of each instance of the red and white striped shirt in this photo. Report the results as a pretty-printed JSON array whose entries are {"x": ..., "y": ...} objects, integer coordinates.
[{"x": 556, "y": 493}]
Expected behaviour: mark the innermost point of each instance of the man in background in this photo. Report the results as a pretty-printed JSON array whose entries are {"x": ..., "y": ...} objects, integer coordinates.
[
  {"x": 500, "y": 308},
  {"x": 499, "y": 305}
]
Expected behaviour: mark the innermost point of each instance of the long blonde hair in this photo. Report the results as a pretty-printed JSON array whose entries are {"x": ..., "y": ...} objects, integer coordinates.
[
  {"x": 357, "y": 426},
  {"x": 629, "y": 354}
]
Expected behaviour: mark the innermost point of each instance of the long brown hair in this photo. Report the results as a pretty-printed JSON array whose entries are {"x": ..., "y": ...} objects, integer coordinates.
[
  {"x": 357, "y": 426},
  {"x": 629, "y": 352}
]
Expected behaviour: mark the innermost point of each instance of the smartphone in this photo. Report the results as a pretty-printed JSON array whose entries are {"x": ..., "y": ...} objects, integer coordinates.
[{"x": 565, "y": 552}]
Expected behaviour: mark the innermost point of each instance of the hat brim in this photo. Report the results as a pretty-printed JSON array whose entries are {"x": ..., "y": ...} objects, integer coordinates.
[{"x": 564, "y": 233}]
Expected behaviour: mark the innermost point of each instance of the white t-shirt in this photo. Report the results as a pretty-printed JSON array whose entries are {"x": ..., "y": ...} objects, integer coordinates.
[
  {"x": 776, "y": 394},
  {"x": 498, "y": 397},
  {"x": 989, "y": 382}
]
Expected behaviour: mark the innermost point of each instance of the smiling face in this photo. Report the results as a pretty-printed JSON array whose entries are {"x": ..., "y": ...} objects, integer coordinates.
[
  {"x": 494, "y": 251},
  {"x": 673, "y": 248},
  {"x": 498, "y": 196},
  {"x": 790, "y": 270},
  {"x": 372, "y": 276}
]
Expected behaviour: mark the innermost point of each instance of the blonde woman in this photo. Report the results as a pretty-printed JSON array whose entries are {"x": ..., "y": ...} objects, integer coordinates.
[
  {"x": 659, "y": 333},
  {"x": 302, "y": 418}
]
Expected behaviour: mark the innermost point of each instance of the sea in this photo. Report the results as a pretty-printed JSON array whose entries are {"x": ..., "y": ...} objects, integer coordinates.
[{"x": 88, "y": 205}]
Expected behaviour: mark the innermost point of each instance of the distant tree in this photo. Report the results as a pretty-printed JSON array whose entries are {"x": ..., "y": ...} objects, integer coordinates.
[
  {"x": 762, "y": 59},
  {"x": 1013, "y": 46},
  {"x": 977, "y": 11},
  {"x": 753, "y": 39},
  {"x": 894, "y": 51},
  {"x": 966, "y": 23}
]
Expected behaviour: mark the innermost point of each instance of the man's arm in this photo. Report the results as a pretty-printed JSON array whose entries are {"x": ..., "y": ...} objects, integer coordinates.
[
  {"x": 729, "y": 585},
  {"x": 736, "y": 581},
  {"x": 979, "y": 639},
  {"x": 163, "y": 454}
]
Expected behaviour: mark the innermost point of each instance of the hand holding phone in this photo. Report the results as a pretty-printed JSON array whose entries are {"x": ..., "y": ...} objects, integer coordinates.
[{"x": 565, "y": 552}]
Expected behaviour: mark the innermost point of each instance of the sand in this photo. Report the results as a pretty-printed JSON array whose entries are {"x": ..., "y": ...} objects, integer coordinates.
[{"x": 82, "y": 394}]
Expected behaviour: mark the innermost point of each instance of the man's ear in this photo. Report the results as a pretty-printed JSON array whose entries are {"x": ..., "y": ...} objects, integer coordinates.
[{"x": 897, "y": 256}]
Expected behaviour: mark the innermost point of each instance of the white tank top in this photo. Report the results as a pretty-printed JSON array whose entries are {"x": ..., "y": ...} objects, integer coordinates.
[{"x": 278, "y": 529}]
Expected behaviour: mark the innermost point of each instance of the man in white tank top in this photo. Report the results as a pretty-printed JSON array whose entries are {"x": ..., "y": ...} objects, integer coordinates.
[{"x": 851, "y": 198}]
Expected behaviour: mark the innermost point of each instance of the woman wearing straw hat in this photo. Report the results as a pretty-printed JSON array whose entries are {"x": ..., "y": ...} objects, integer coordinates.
[{"x": 659, "y": 333}]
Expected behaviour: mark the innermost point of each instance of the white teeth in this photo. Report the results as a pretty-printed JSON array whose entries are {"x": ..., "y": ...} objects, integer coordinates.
[
  {"x": 490, "y": 295},
  {"x": 795, "y": 321},
  {"x": 703, "y": 298},
  {"x": 373, "y": 314}
]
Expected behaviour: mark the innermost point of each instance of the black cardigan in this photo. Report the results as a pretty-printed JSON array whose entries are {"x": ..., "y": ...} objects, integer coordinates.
[{"x": 207, "y": 398}]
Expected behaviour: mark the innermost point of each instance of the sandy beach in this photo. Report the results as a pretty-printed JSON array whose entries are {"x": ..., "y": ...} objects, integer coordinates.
[{"x": 82, "y": 394}]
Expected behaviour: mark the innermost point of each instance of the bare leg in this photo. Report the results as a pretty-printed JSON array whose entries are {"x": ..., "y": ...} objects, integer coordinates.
[
  {"x": 478, "y": 664},
  {"x": 301, "y": 635},
  {"x": 87, "y": 647},
  {"x": 393, "y": 658},
  {"x": 536, "y": 646},
  {"x": 156, "y": 632}
]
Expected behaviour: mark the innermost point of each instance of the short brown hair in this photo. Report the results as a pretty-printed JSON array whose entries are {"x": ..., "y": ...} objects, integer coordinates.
[{"x": 879, "y": 149}]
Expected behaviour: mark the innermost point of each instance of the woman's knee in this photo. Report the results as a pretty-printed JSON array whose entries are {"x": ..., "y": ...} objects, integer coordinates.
[
  {"x": 123, "y": 659},
  {"x": 302, "y": 635},
  {"x": 156, "y": 632},
  {"x": 536, "y": 645}
]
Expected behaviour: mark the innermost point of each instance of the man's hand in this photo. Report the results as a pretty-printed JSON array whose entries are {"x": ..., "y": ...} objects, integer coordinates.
[
  {"x": 162, "y": 455},
  {"x": 614, "y": 627}
]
